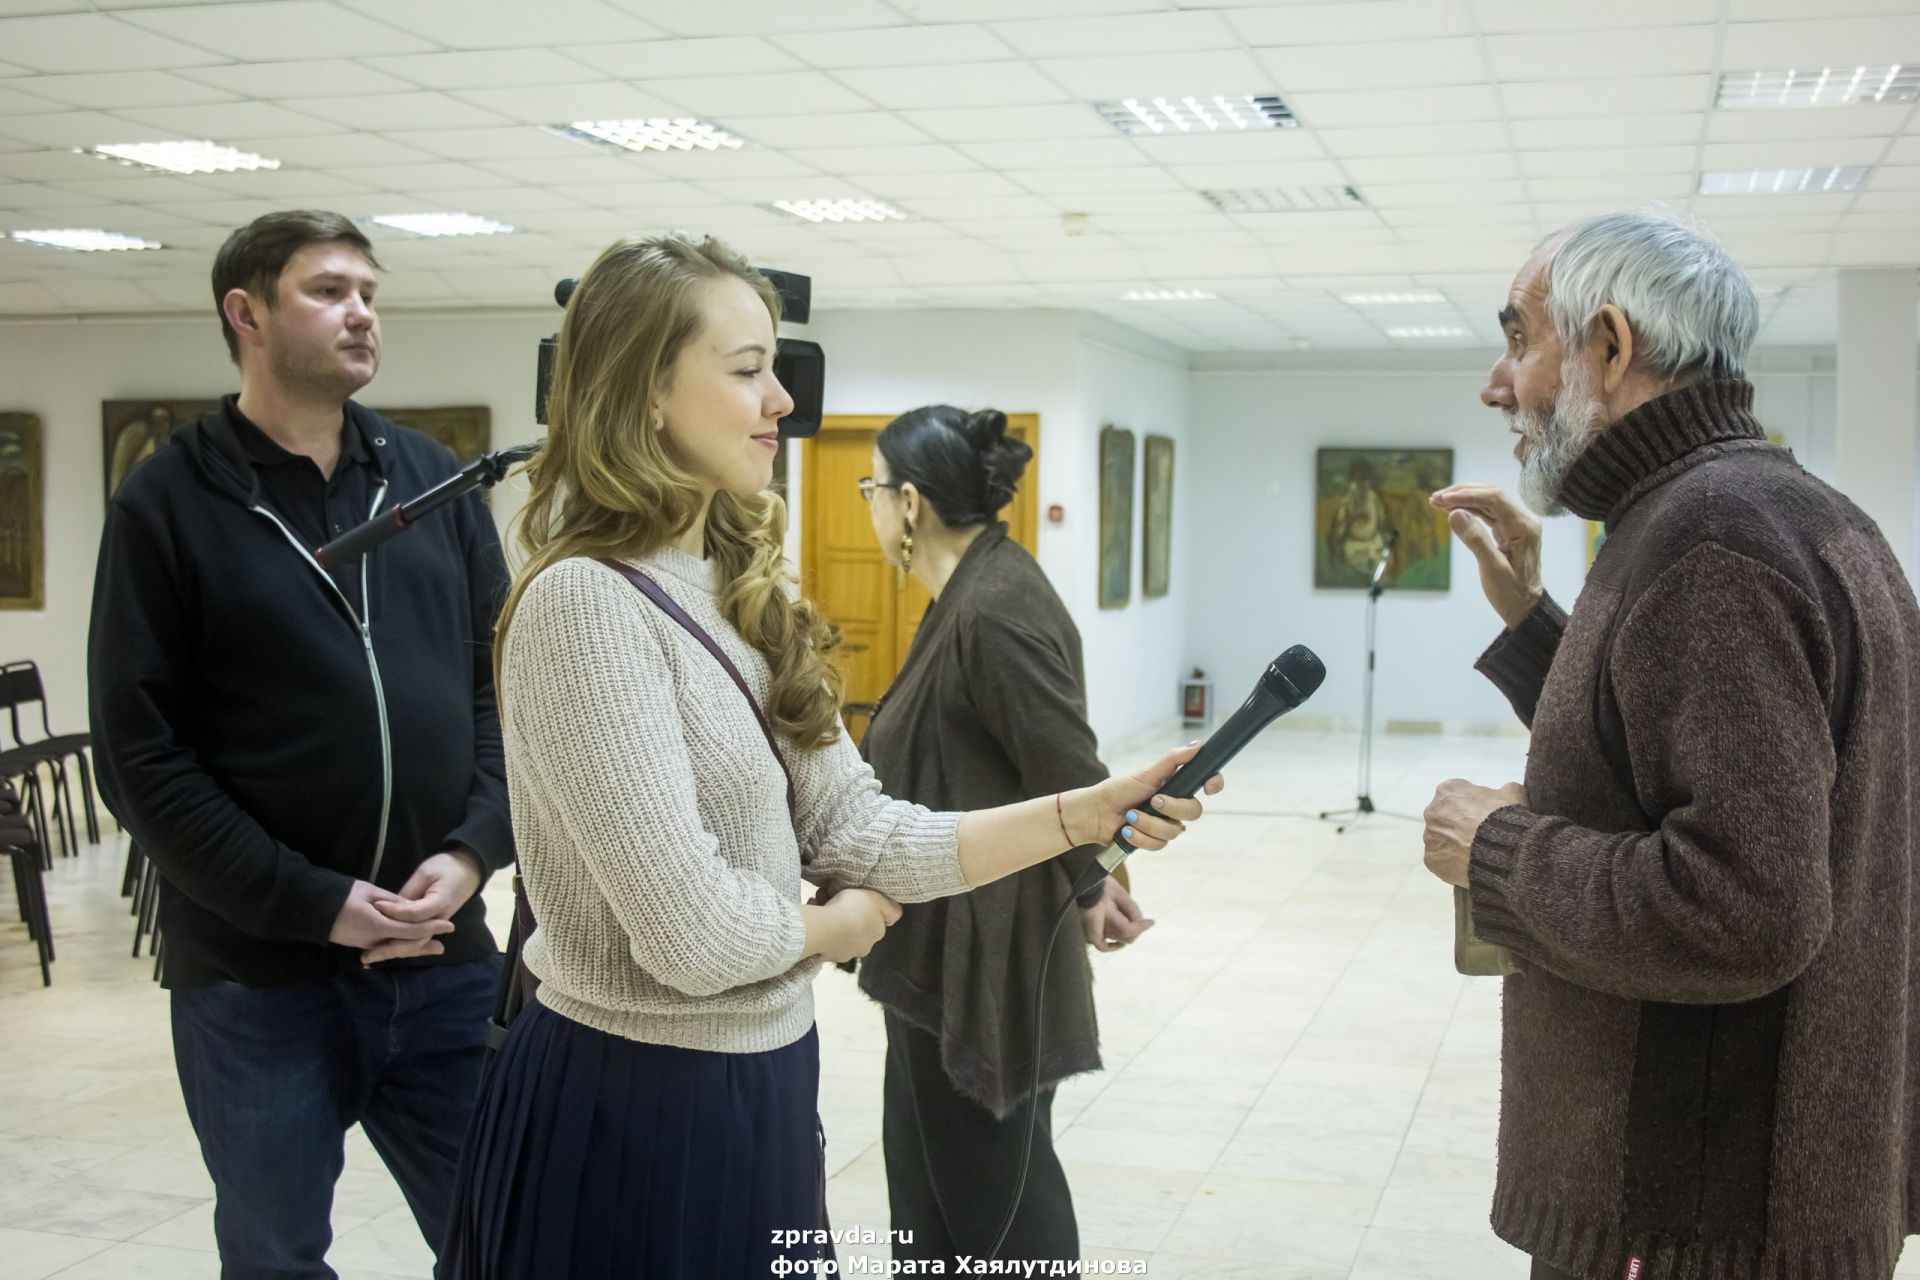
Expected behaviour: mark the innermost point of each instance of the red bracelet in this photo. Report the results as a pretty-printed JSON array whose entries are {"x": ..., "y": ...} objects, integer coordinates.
[{"x": 1060, "y": 813}]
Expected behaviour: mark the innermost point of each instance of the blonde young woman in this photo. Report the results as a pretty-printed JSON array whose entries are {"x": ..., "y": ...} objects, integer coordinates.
[{"x": 653, "y": 1114}]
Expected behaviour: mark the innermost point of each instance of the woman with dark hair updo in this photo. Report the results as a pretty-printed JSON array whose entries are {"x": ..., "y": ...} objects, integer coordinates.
[{"x": 989, "y": 708}]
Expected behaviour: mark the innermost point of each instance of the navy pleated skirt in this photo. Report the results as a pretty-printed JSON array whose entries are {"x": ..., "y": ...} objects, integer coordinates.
[{"x": 593, "y": 1157}]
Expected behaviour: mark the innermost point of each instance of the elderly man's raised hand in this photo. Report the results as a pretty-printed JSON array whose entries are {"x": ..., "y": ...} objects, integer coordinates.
[{"x": 1504, "y": 538}]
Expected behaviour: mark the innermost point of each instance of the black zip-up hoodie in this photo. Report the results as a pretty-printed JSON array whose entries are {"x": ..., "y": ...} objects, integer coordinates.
[{"x": 262, "y": 744}]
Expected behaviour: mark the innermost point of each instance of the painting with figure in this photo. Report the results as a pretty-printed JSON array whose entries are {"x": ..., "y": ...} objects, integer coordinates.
[
  {"x": 1362, "y": 496},
  {"x": 1156, "y": 522},
  {"x": 1116, "y": 517},
  {"x": 130, "y": 431},
  {"x": 23, "y": 553}
]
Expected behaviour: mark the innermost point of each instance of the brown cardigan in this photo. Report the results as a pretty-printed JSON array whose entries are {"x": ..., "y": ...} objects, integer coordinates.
[
  {"x": 1711, "y": 1055},
  {"x": 990, "y": 708}
]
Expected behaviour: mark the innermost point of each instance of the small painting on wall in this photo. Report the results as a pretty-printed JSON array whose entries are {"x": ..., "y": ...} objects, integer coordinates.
[
  {"x": 465, "y": 429},
  {"x": 1362, "y": 498},
  {"x": 23, "y": 552},
  {"x": 130, "y": 431},
  {"x": 1116, "y": 517},
  {"x": 1156, "y": 524}
]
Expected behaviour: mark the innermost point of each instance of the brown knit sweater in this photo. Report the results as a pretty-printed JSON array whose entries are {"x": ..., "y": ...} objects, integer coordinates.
[{"x": 1711, "y": 1055}]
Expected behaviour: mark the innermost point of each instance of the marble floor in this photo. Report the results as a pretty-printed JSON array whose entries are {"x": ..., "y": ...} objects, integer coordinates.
[{"x": 1298, "y": 1086}]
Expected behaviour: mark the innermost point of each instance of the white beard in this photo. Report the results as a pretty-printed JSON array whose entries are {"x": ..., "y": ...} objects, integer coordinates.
[{"x": 1557, "y": 438}]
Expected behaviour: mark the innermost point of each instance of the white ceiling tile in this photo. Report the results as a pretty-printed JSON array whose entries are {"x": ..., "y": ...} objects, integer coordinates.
[
  {"x": 897, "y": 46},
  {"x": 92, "y": 42},
  {"x": 627, "y": 196},
  {"x": 562, "y": 104},
  {"x": 768, "y": 94},
  {"x": 929, "y": 158},
  {"x": 972, "y": 215},
  {"x": 1389, "y": 65},
  {"x": 335, "y": 150},
  {"x": 1413, "y": 140},
  {"x": 1442, "y": 194},
  {"x": 1452, "y": 215},
  {"x": 499, "y": 201},
  {"x": 1260, "y": 146},
  {"x": 484, "y": 69},
  {"x": 1886, "y": 201},
  {"x": 1713, "y": 208},
  {"x": 844, "y": 129},
  {"x": 135, "y": 190},
  {"x": 1821, "y": 41},
  {"x": 82, "y": 129},
  {"x": 29, "y": 195},
  {"x": 1607, "y": 162},
  {"x": 703, "y": 166},
  {"x": 1721, "y": 156},
  {"x": 1357, "y": 110},
  {"x": 1619, "y": 190},
  {"x": 729, "y": 17},
  {"x": 1012, "y": 124},
  {"x": 119, "y": 89},
  {"x": 587, "y": 169},
  {"x": 974, "y": 84},
  {"x": 1904, "y": 151},
  {"x": 911, "y": 186},
  {"x": 221, "y": 121},
  {"x": 1781, "y": 126},
  {"x": 226, "y": 213},
  {"x": 1618, "y": 52},
  {"x": 277, "y": 29},
  {"x": 1770, "y": 10},
  {"x": 1041, "y": 267},
  {"x": 1090, "y": 153},
  {"x": 1607, "y": 131},
  {"x": 461, "y": 24},
  {"x": 279, "y": 184},
  {"x": 398, "y": 111},
  {"x": 1877, "y": 249},
  {"x": 1895, "y": 177},
  {"x": 512, "y": 142},
  {"x": 1073, "y": 184},
  {"x": 1433, "y": 168},
  {"x": 326, "y": 78},
  {"x": 1145, "y": 33},
  {"x": 54, "y": 166},
  {"x": 414, "y": 177},
  {"x": 1352, "y": 22},
  {"x": 719, "y": 55},
  {"x": 1151, "y": 75},
  {"x": 1647, "y": 95},
  {"x": 14, "y": 103},
  {"x": 1292, "y": 173},
  {"x": 1501, "y": 17}
]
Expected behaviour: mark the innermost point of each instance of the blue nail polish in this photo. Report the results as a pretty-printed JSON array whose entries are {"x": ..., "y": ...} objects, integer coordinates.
[
  {"x": 1132, "y": 816},
  {"x": 1126, "y": 833}
]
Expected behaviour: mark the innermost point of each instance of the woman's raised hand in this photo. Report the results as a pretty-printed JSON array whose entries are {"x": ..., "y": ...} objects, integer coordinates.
[{"x": 1131, "y": 805}]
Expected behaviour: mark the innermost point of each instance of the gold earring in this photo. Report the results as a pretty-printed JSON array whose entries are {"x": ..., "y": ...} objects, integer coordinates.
[{"x": 906, "y": 558}]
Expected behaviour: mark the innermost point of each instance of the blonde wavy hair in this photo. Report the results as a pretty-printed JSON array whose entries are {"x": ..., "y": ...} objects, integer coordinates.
[{"x": 606, "y": 485}]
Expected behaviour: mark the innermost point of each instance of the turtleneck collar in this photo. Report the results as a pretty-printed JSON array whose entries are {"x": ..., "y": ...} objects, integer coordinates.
[
  {"x": 1648, "y": 443},
  {"x": 702, "y": 575}
]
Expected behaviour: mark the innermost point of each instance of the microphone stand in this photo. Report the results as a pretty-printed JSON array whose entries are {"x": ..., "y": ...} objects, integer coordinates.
[
  {"x": 483, "y": 472},
  {"x": 1363, "y": 801}
]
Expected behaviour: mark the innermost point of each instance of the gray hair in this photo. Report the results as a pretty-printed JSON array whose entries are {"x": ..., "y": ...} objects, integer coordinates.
[{"x": 1689, "y": 303}]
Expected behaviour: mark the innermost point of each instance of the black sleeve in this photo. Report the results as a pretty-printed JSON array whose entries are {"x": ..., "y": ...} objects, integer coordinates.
[
  {"x": 1517, "y": 662},
  {"x": 140, "y": 653},
  {"x": 486, "y": 828},
  {"x": 1027, "y": 694}
]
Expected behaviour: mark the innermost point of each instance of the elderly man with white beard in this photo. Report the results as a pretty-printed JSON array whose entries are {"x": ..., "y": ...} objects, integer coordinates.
[{"x": 1711, "y": 1050}]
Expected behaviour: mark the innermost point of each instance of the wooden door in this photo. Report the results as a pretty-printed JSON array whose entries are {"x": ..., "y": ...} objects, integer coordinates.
[{"x": 841, "y": 568}]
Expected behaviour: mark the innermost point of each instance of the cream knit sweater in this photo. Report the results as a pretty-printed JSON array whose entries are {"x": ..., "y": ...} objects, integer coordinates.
[{"x": 652, "y": 820}]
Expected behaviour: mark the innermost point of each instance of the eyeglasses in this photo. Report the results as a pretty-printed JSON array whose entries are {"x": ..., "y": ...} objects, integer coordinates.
[{"x": 868, "y": 484}]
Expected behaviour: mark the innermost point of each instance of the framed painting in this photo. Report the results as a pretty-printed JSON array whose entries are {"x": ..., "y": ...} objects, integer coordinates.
[
  {"x": 23, "y": 548},
  {"x": 467, "y": 429},
  {"x": 1116, "y": 517},
  {"x": 1362, "y": 497},
  {"x": 1156, "y": 520},
  {"x": 130, "y": 430}
]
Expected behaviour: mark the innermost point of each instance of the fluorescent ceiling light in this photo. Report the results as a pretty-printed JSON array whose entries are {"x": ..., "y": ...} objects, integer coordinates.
[
  {"x": 841, "y": 210},
  {"x": 1168, "y": 295},
  {"x": 86, "y": 240},
  {"x": 1429, "y": 331},
  {"x": 1818, "y": 87},
  {"x": 1215, "y": 113},
  {"x": 681, "y": 133},
  {"x": 180, "y": 157},
  {"x": 1282, "y": 199},
  {"x": 1416, "y": 298},
  {"x": 1826, "y": 179},
  {"x": 442, "y": 224}
]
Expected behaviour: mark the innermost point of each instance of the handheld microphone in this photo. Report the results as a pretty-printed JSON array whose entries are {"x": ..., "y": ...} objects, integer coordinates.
[{"x": 1288, "y": 681}]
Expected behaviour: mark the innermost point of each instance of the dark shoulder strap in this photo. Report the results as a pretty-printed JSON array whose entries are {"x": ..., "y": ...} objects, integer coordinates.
[{"x": 658, "y": 594}]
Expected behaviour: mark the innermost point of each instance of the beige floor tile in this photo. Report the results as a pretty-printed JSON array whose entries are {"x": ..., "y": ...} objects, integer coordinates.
[
  {"x": 75, "y": 1208},
  {"x": 146, "y": 1261},
  {"x": 34, "y": 1255}
]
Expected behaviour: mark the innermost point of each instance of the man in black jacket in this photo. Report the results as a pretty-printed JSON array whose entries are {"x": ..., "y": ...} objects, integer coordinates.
[{"x": 310, "y": 755}]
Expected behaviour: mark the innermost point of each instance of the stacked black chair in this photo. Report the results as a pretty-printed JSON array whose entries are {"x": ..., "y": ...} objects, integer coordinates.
[
  {"x": 22, "y": 846},
  {"x": 21, "y": 686}
]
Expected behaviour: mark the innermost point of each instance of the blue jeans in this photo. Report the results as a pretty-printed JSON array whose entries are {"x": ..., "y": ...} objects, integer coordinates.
[{"x": 275, "y": 1076}]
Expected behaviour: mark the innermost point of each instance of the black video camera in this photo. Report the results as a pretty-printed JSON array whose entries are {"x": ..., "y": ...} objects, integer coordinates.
[{"x": 800, "y": 365}]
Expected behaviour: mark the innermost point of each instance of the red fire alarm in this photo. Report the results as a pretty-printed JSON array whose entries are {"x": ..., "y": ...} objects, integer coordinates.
[{"x": 1056, "y": 514}]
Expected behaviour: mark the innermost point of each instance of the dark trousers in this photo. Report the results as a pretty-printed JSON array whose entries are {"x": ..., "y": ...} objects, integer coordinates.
[
  {"x": 275, "y": 1076},
  {"x": 951, "y": 1166},
  {"x": 1547, "y": 1271}
]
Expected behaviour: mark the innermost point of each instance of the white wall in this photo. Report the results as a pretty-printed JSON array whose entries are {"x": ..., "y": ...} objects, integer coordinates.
[
  {"x": 1256, "y": 426},
  {"x": 1079, "y": 374}
]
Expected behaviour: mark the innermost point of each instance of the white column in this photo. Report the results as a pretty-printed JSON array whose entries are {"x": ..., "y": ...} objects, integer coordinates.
[{"x": 1877, "y": 408}]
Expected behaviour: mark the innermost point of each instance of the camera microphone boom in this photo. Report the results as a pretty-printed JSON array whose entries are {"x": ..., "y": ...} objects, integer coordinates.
[{"x": 1288, "y": 681}]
